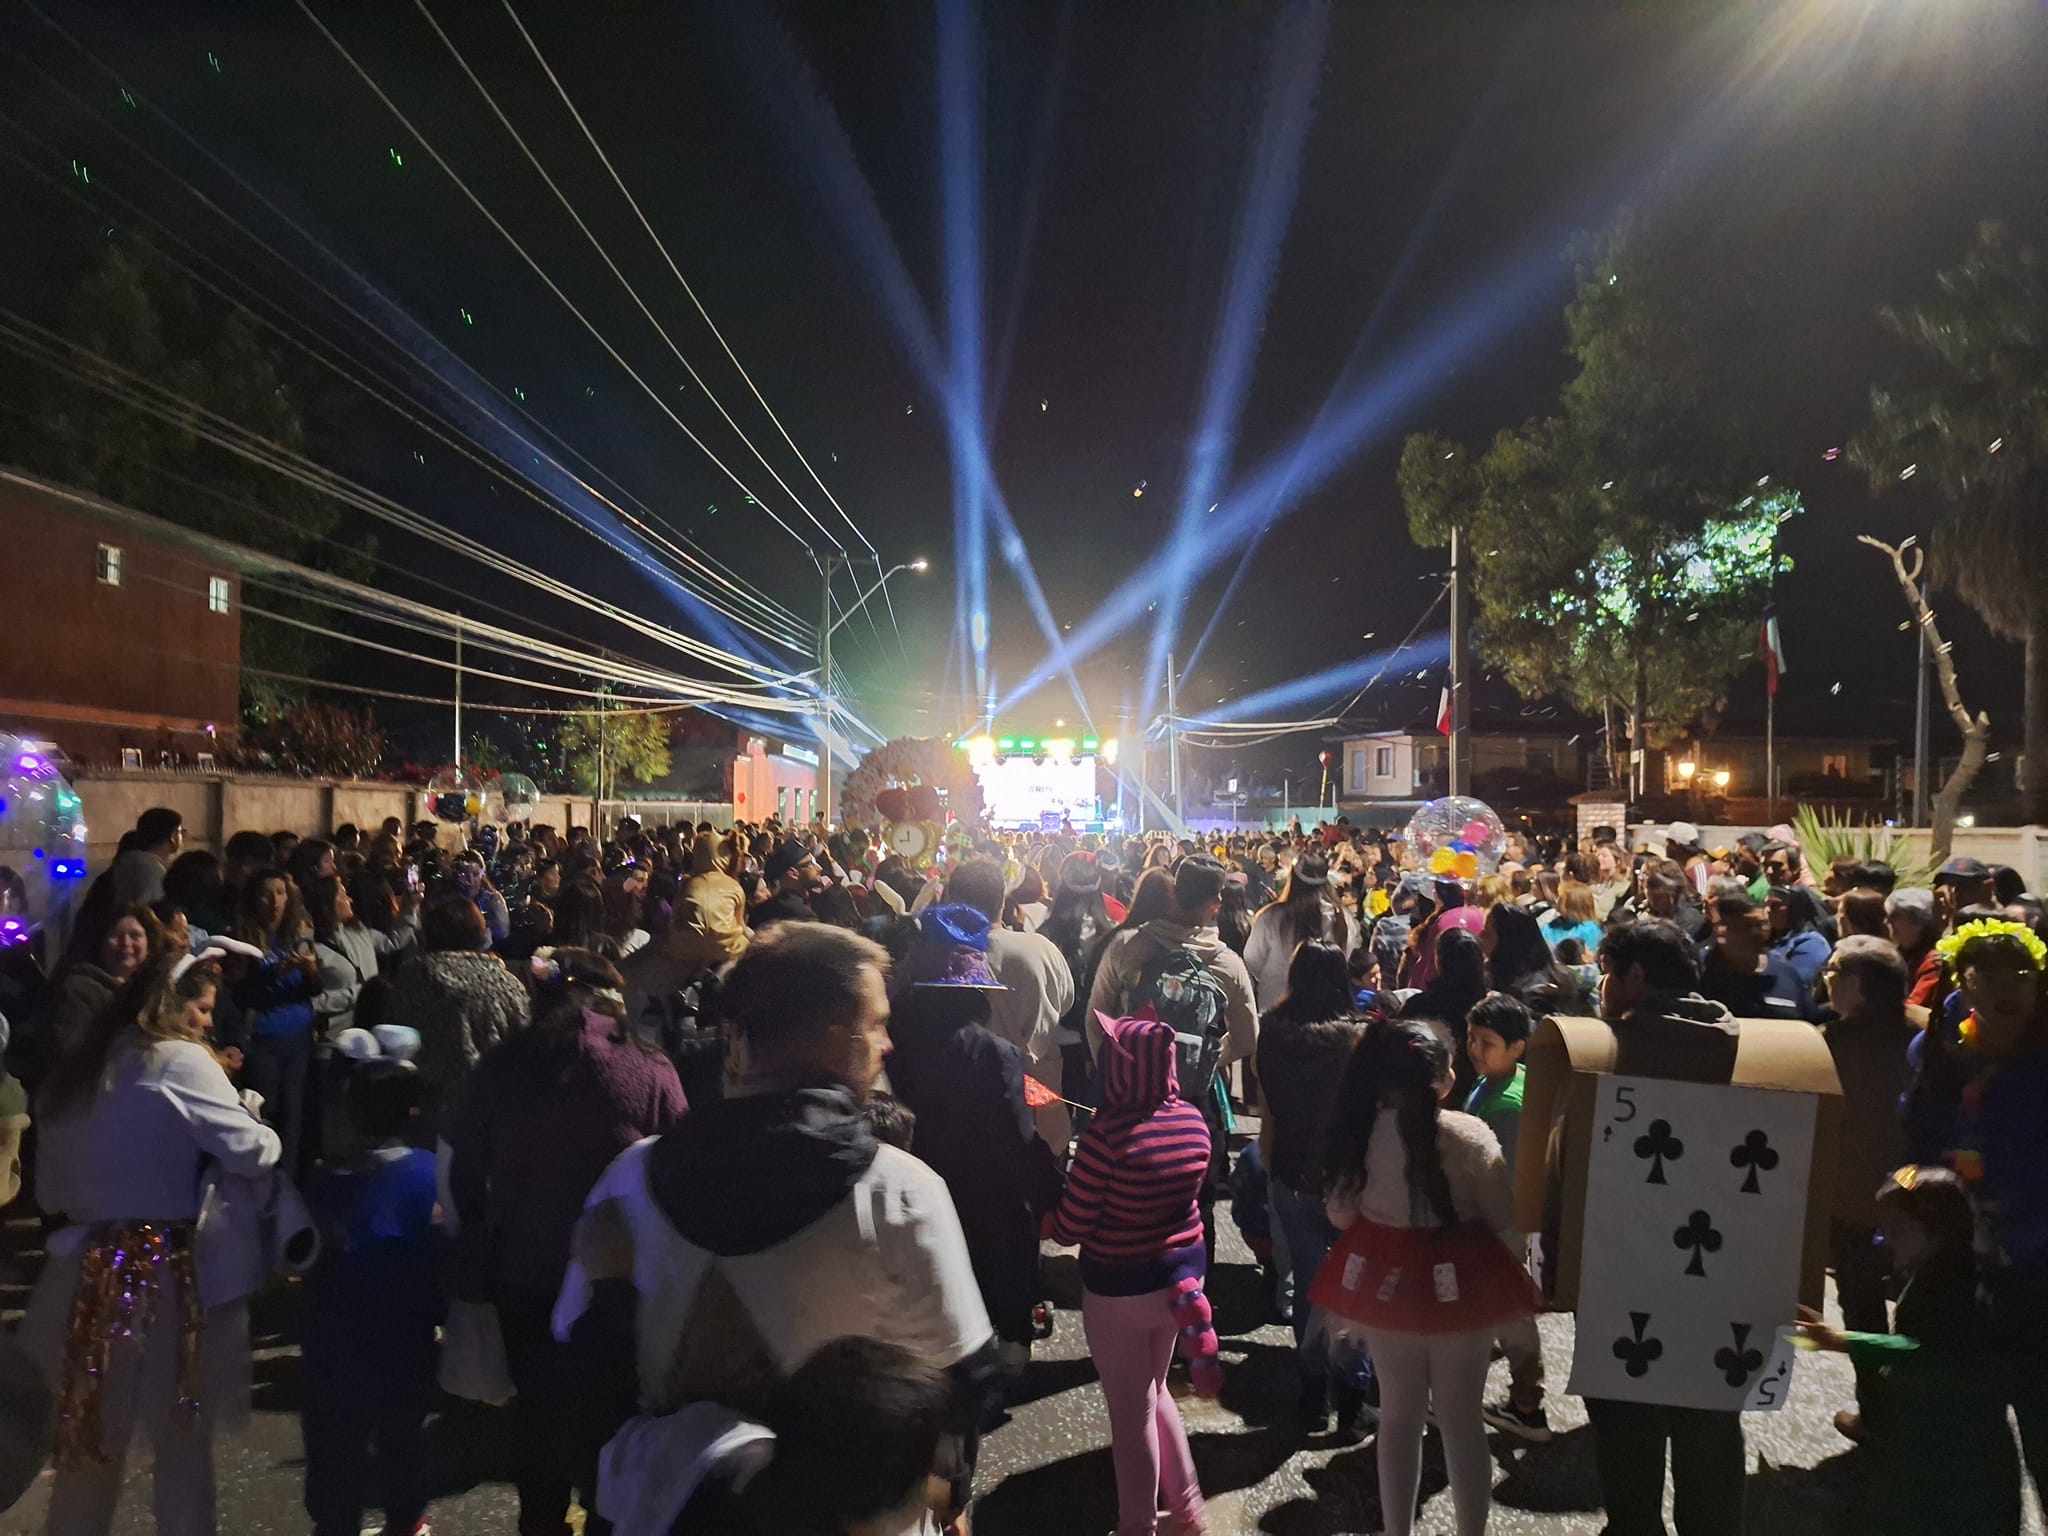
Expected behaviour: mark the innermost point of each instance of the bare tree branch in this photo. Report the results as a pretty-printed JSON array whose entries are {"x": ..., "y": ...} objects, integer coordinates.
[{"x": 1976, "y": 728}]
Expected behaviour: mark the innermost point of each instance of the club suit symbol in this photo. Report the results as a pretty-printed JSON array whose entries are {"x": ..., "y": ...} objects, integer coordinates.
[
  {"x": 1699, "y": 1235},
  {"x": 1635, "y": 1352},
  {"x": 1658, "y": 1146},
  {"x": 1755, "y": 1153}
]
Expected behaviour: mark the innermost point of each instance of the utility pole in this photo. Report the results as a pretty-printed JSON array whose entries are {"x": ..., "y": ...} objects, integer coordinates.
[
  {"x": 1921, "y": 726},
  {"x": 1173, "y": 743},
  {"x": 458, "y": 695},
  {"x": 1461, "y": 675},
  {"x": 823, "y": 796}
]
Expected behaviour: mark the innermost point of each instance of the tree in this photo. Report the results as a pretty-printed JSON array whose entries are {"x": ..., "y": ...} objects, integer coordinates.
[
  {"x": 1624, "y": 548},
  {"x": 1976, "y": 728},
  {"x": 323, "y": 741},
  {"x": 1976, "y": 425},
  {"x": 603, "y": 747},
  {"x": 910, "y": 760}
]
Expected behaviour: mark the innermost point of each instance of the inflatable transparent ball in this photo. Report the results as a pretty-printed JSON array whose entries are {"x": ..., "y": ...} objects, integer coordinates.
[
  {"x": 42, "y": 841},
  {"x": 454, "y": 794},
  {"x": 516, "y": 798},
  {"x": 1456, "y": 838}
]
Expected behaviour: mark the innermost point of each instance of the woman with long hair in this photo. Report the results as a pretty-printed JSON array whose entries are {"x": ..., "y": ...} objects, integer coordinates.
[
  {"x": 545, "y": 1112},
  {"x": 1520, "y": 963},
  {"x": 1305, "y": 909},
  {"x": 580, "y": 919},
  {"x": 1234, "y": 920},
  {"x": 275, "y": 995},
  {"x": 129, "y": 1122},
  {"x": 1460, "y": 981},
  {"x": 352, "y": 954},
  {"x": 1305, "y": 1038},
  {"x": 1575, "y": 918},
  {"x": 1025, "y": 908},
  {"x": 1152, "y": 898},
  {"x": 1423, "y": 1268}
]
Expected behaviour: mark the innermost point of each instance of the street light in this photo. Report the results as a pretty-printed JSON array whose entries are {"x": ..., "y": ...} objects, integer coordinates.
[
  {"x": 1721, "y": 778},
  {"x": 826, "y": 625}
]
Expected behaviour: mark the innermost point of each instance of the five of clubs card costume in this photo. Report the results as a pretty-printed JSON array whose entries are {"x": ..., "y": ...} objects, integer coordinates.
[{"x": 1694, "y": 1214}]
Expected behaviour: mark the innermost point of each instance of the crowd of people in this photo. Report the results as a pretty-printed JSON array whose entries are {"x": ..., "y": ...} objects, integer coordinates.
[{"x": 726, "y": 1156}]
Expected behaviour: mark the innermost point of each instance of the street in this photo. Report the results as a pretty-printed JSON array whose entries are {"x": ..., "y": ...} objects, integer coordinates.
[{"x": 1047, "y": 1468}]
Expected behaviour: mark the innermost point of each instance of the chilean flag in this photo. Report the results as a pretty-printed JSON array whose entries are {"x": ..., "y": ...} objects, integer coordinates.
[
  {"x": 1443, "y": 712},
  {"x": 1770, "y": 647}
]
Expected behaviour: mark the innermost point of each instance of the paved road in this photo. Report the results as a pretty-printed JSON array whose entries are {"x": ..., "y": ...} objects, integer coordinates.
[{"x": 1047, "y": 1470}]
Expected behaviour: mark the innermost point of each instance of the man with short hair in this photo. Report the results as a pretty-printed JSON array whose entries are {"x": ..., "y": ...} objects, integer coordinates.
[
  {"x": 771, "y": 1221},
  {"x": 788, "y": 878},
  {"x": 1040, "y": 990},
  {"x": 1184, "y": 947},
  {"x": 1663, "y": 1028},
  {"x": 137, "y": 876}
]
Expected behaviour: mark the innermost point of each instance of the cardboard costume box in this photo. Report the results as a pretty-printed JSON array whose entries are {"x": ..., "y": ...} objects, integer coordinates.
[{"x": 1565, "y": 1060}]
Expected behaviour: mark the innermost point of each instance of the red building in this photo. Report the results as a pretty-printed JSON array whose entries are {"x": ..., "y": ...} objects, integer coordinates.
[{"x": 119, "y": 635}]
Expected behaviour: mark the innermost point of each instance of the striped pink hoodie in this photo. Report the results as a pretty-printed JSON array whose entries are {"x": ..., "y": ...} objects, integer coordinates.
[{"x": 1130, "y": 1200}]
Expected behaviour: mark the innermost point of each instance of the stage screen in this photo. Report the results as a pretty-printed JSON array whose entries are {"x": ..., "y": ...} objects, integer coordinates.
[{"x": 1018, "y": 792}]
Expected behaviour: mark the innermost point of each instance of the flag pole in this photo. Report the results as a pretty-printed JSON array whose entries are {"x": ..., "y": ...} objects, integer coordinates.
[{"x": 1771, "y": 752}]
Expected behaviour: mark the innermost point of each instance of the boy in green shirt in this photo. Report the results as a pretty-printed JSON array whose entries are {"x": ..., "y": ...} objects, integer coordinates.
[{"x": 1496, "y": 1038}]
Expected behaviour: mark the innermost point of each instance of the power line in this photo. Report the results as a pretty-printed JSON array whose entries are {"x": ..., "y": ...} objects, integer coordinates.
[
  {"x": 695, "y": 558},
  {"x": 539, "y": 271},
  {"x": 634, "y": 204},
  {"x": 605, "y": 255}
]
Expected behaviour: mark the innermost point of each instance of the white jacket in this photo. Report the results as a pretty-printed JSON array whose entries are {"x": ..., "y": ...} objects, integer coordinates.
[{"x": 1269, "y": 951}]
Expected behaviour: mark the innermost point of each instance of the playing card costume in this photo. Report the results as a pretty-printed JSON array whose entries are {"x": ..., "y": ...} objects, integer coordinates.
[{"x": 1670, "y": 1157}]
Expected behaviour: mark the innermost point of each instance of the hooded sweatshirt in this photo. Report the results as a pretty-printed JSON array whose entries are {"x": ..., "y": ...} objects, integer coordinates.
[
  {"x": 1131, "y": 1198},
  {"x": 1123, "y": 965},
  {"x": 769, "y": 1224}
]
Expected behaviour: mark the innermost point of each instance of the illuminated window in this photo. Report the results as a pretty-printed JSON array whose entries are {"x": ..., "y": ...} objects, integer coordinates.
[
  {"x": 1383, "y": 762},
  {"x": 110, "y": 565},
  {"x": 782, "y": 801},
  {"x": 1834, "y": 765},
  {"x": 216, "y": 594}
]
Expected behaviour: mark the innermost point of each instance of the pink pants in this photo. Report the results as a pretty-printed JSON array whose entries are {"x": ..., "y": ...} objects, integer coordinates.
[{"x": 1131, "y": 1338}]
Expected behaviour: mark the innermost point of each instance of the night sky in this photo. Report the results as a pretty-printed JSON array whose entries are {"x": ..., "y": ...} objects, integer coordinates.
[{"x": 1453, "y": 150}]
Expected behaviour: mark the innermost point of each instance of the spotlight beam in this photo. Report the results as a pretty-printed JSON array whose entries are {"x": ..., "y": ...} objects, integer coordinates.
[
  {"x": 1361, "y": 419},
  {"x": 1272, "y": 179},
  {"x": 821, "y": 157}
]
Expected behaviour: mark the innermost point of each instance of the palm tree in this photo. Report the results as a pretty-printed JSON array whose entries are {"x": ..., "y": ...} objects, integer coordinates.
[{"x": 1976, "y": 425}]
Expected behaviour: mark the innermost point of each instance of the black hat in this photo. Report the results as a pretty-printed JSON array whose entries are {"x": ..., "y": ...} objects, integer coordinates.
[
  {"x": 1962, "y": 870},
  {"x": 790, "y": 855}
]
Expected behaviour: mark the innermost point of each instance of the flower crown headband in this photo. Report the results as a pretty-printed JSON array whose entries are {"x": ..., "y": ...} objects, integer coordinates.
[{"x": 1992, "y": 932}]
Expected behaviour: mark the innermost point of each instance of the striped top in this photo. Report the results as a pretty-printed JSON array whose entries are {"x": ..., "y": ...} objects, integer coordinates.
[{"x": 1130, "y": 1200}]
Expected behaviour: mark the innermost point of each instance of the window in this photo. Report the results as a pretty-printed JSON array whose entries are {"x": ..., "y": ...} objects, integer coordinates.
[
  {"x": 216, "y": 594},
  {"x": 1834, "y": 765},
  {"x": 782, "y": 802},
  {"x": 1542, "y": 760},
  {"x": 110, "y": 565},
  {"x": 1358, "y": 770},
  {"x": 1383, "y": 762}
]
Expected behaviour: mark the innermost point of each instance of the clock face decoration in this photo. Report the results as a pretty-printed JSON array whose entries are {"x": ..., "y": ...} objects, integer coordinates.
[{"x": 910, "y": 840}]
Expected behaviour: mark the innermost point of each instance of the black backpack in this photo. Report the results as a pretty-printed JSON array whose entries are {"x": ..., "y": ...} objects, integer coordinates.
[{"x": 1181, "y": 989}]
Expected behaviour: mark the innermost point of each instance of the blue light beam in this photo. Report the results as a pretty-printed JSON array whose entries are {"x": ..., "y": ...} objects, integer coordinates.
[{"x": 1272, "y": 180}]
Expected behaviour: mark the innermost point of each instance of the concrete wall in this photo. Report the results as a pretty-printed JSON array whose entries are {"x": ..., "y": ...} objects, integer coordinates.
[
  {"x": 2022, "y": 848},
  {"x": 217, "y": 805}
]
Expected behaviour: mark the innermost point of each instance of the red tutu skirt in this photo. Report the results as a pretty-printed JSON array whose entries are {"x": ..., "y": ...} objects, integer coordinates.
[{"x": 1423, "y": 1279}]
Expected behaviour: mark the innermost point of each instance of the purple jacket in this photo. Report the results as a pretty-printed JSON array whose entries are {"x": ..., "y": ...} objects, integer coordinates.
[{"x": 543, "y": 1116}]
